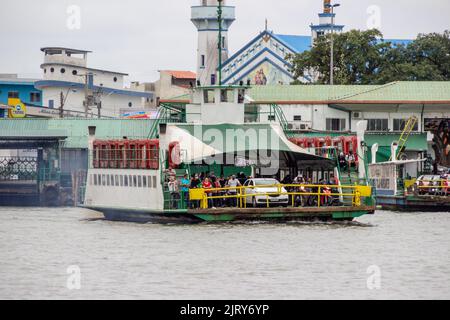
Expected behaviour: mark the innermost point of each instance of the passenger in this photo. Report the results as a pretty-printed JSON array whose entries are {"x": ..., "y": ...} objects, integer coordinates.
[
  {"x": 222, "y": 183},
  {"x": 170, "y": 173},
  {"x": 195, "y": 183},
  {"x": 350, "y": 158},
  {"x": 185, "y": 184},
  {"x": 174, "y": 192},
  {"x": 298, "y": 199},
  {"x": 208, "y": 185},
  {"x": 326, "y": 191},
  {"x": 217, "y": 202},
  {"x": 232, "y": 184},
  {"x": 342, "y": 161},
  {"x": 242, "y": 178},
  {"x": 421, "y": 188},
  {"x": 445, "y": 185}
]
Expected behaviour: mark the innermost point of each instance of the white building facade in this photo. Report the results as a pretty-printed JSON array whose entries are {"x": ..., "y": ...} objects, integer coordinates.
[{"x": 69, "y": 82}]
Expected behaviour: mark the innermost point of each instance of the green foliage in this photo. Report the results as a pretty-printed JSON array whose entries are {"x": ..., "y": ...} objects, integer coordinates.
[{"x": 361, "y": 57}]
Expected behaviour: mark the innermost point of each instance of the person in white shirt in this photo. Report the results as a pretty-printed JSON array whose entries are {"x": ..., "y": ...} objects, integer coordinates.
[
  {"x": 233, "y": 183},
  {"x": 174, "y": 192}
]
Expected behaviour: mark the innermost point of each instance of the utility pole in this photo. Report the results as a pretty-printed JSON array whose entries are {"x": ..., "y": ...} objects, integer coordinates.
[
  {"x": 219, "y": 18},
  {"x": 332, "y": 6},
  {"x": 332, "y": 48},
  {"x": 99, "y": 109},
  {"x": 86, "y": 94},
  {"x": 61, "y": 105}
]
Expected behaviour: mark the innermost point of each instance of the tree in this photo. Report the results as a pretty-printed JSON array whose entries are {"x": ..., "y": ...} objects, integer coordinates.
[{"x": 362, "y": 57}]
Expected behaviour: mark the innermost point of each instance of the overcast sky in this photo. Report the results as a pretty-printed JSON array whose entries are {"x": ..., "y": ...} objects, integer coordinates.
[{"x": 140, "y": 37}]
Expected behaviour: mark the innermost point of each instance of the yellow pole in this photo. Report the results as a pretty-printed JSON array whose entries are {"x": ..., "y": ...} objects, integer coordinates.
[{"x": 318, "y": 197}]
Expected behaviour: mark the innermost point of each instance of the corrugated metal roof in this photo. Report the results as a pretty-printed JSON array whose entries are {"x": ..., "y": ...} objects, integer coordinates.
[
  {"x": 76, "y": 130},
  {"x": 422, "y": 91},
  {"x": 404, "y": 92},
  {"x": 313, "y": 93}
]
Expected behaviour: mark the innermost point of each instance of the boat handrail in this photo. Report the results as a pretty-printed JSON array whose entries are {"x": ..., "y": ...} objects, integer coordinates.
[{"x": 348, "y": 195}]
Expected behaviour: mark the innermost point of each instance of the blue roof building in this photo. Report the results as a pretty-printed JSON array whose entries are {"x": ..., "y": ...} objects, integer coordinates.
[{"x": 13, "y": 87}]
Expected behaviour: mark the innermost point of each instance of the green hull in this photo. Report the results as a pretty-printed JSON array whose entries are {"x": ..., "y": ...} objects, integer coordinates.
[{"x": 234, "y": 214}]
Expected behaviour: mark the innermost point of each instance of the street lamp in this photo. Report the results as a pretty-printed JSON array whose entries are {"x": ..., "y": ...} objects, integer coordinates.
[{"x": 332, "y": 6}]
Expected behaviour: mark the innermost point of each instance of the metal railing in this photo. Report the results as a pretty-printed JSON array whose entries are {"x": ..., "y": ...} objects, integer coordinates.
[
  {"x": 287, "y": 195},
  {"x": 120, "y": 158},
  {"x": 431, "y": 187},
  {"x": 18, "y": 168}
]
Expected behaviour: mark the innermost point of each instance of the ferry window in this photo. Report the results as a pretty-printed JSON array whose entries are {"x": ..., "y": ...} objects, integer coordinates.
[
  {"x": 121, "y": 180},
  {"x": 134, "y": 181},
  {"x": 51, "y": 104},
  {"x": 271, "y": 118},
  {"x": 95, "y": 180},
  {"x": 149, "y": 181},
  {"x": 117, "y": 180},
  {"x": 112, "y": 181},
  {"x": 63, "y": 70},
  {"x": 52, "y": 70},
  {"x": 399, "y": 125},
  {"x": 377, "y": 125},
  {"x": 208, "y": 96},
  {"x": 130, "y": 181},
  {"x": 144, "y": 181},
  {"x": 226, "y": 96},
  {"x": 125, "y": 181},
  {"x": 74, "y": 72},
  {"x": 35, "y": 97},
  {"x": 154, "y": 182},
  {"x": 139, "y": 181},
  {"x": 297, "y": 118},
  {"x": 115, "y": 79},
  {"x": 103, "y": 180},
  {"x": 108, "y": 180}
]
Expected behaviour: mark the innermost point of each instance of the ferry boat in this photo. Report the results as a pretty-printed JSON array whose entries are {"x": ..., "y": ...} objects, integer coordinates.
[
  {"x": 132, "y": 180},
  {"x": 401, "y": 187}
]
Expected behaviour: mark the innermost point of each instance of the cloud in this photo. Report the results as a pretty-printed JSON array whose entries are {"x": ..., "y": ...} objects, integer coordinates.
[{"x": 142, "y": 36}]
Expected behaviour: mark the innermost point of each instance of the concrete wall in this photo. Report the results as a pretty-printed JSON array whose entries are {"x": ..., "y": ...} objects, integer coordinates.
[
  {"x": 165, "y": 89},
  {"x": 111, "y": 104}
]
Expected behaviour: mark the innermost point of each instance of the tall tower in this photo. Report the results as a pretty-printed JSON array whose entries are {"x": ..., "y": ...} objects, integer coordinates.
[
  {"x": 326, "y": 22},
  {"x": 205, "y": 18}
]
